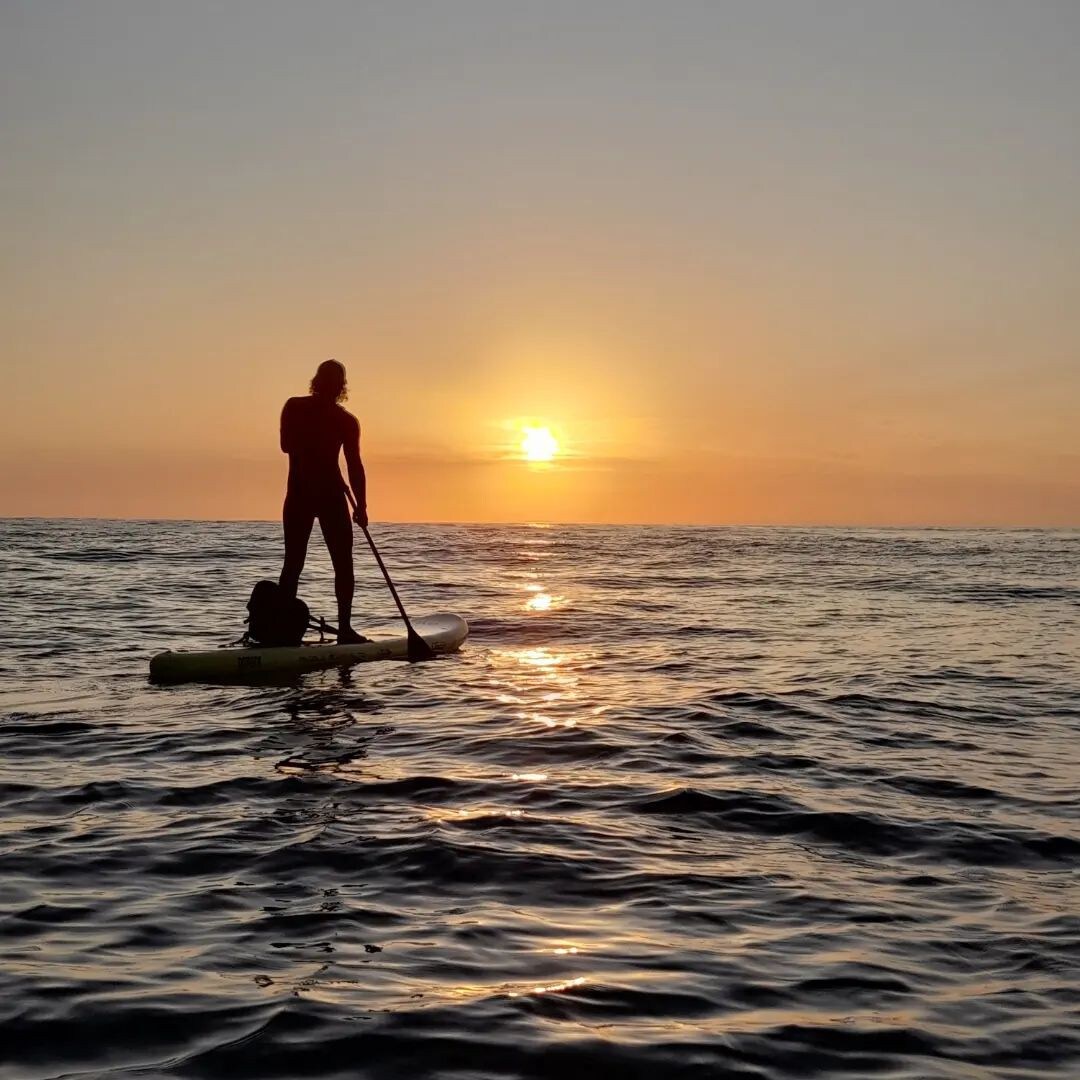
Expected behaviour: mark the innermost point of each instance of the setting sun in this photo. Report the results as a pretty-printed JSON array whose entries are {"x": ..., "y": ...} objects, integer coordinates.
[{"x": 538, "y": 444}]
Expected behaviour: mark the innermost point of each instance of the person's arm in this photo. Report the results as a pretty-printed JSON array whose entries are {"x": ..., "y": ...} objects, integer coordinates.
[
  {"x": 357, "y": 476},
  {"x": 286, "y": 428}
]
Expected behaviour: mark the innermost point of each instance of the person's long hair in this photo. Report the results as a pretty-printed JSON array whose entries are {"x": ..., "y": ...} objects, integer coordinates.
[{"x": 330, "y": 382}]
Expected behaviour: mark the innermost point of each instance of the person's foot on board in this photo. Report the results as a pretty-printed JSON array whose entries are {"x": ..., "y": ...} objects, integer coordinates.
[{"x": 348, "y": 636}]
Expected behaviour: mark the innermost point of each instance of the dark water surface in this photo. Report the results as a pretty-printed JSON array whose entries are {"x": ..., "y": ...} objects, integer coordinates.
[{"x": 757, "y": 803}]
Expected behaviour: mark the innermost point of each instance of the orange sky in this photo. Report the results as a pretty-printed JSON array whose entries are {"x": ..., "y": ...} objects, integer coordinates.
[{"x": 744, "y": 273}]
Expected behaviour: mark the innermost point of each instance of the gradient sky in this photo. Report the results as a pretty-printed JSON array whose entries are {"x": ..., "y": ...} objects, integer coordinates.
[{"x": 752, "y": 262}]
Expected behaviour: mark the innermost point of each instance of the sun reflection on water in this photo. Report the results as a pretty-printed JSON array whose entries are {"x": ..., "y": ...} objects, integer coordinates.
[
  {"x": 550, "y": 988},
  {"x": 541, "y": 599},
  {"x": 549, "y": 721},
  {"x": 543, "y": 685},
  {"x": 540, "y": 657},
  {"x": 445, "y": 813}
]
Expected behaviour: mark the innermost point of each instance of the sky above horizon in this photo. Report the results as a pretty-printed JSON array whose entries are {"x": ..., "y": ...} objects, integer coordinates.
[{"x": 750, "y": 262}]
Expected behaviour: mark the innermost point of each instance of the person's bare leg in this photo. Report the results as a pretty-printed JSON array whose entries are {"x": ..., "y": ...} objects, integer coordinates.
[
  {"x": 296, "y": 523},
  {"x": 337, "y": 532}
]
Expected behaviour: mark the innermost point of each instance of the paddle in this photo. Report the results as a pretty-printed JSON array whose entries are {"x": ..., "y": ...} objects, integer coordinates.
[{"x": 418, "y": 648}]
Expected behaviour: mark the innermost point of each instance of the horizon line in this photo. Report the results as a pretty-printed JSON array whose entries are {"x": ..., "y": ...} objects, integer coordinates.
[{"x": 1018, "y": 527}]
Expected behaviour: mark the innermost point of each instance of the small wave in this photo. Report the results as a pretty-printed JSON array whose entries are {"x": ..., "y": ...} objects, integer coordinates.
[
  {"x": 52, "y": 914},
  {"x": 37, "y": 727},
  {"x": 93, "y": 555},
  {"x": 751, "y": 729},
  {"x": 777, "y": 763},
  {"x": 940, "y": 788},
  {"x": 1005, "y": 595},
  {"x": 763, "y": 703},
  {"x": 776, "y": 815},
  {"x": 545, "y": 630}
]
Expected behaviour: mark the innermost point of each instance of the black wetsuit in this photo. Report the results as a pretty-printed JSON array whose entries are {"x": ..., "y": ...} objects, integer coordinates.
[{"x": 314, "y": 431}]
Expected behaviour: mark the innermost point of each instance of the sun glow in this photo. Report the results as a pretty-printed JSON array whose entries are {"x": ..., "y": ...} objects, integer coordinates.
[{"x": 538, "y": 444}]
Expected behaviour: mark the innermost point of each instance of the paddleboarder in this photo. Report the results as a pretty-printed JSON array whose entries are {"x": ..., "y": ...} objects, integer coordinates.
[{"x": 314, "y": 430}]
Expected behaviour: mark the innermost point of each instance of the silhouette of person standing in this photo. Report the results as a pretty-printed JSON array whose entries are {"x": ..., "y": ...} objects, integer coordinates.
[{"x": 314, "y": 430}]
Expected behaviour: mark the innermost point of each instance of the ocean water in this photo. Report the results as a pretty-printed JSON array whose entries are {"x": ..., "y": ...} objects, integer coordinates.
[{"x": 747, "y": 803}]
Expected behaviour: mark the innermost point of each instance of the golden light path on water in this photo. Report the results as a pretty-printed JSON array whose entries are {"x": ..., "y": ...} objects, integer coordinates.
[
  {"x": 545, "y": 688},
  {"x": 534, "y": 673},
  {"x": 540, "y": 686}
]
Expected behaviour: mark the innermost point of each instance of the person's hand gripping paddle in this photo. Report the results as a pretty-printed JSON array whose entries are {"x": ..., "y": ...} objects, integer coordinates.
[{"x": 419, "y": 649}]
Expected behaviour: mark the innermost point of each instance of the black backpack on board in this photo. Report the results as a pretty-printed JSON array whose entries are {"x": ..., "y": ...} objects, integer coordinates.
[{"x": 274, "y": 618}]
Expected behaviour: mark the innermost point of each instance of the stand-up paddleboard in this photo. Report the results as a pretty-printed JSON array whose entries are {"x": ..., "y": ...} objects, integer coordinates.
[{"x": 443, "y": 632}]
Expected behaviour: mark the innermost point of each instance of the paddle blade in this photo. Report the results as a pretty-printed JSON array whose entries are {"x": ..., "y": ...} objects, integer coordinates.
[{"x": 419, "y": 649}]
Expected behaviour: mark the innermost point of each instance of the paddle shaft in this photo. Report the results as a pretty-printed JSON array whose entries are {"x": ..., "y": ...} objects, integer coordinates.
[
  {"x": 389, "y": 583},
  {"x": 415, "y": 639}
]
